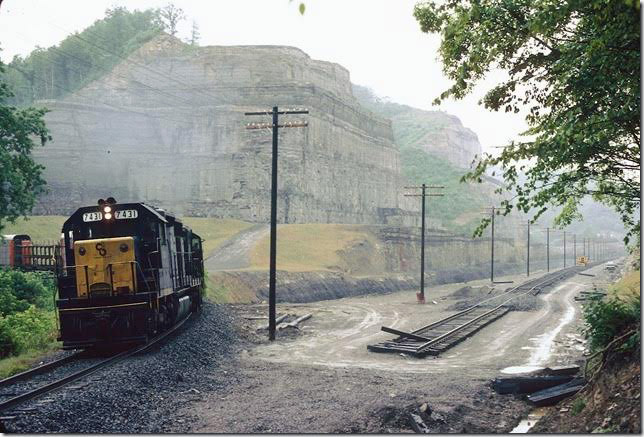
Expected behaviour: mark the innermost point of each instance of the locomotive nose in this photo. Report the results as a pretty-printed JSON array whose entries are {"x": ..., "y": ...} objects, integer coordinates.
[{"x": 105, "y": 267}]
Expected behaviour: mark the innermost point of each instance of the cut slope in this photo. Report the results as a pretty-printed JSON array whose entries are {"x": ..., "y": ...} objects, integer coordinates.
[{"x": 310, "y": 247}]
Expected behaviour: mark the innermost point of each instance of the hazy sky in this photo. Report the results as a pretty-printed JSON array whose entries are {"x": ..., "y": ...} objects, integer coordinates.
[{"x": 378, "y": 41}]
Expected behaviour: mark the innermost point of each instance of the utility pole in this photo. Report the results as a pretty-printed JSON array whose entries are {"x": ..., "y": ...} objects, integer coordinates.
[
  {"x": 564, "y": 249},
  {"x": 584, "y": 246},
  {"x": 273, "y": 249},
  {"x": 574, "y": 239},
  {"x": 493, "y": 211},
  {"x": 528, "y": 258},
  {"x": 548, "y": 247},
  {"x": 421, "y": 296}
]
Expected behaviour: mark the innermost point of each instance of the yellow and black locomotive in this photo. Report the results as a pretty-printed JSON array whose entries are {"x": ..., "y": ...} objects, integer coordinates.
[{"x": 128, "y": 271}]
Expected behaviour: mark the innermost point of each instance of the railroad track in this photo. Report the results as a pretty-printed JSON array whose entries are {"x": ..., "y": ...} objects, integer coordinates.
[
  {"x": 443, "y": 334},
  {"x": 37, "y": 382}
]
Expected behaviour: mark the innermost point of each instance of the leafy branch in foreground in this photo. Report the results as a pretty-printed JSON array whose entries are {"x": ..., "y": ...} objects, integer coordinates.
[
  {"x": 20, "y": 175},
  {"x": 573, "y": 66}
]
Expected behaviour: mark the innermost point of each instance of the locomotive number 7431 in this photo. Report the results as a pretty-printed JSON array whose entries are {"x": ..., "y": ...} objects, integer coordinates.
[{"x": 126, "y": 214}]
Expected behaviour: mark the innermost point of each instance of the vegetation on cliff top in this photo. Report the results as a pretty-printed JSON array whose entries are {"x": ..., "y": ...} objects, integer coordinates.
[
  {"x": 82, "y": 57},
  {"x": 410, "y": 125}
]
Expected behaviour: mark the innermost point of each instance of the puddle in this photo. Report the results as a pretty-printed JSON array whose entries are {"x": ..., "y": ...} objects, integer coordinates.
[
  {"x": 545, "y": 341},
  {"x": 520, "y": 369},
  {"x": 529, "y": 422}
]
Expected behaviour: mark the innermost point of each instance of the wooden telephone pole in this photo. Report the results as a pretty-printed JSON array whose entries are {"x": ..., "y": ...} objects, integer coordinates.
[
  {"x": 421, "y": 296},
  {"x": 493, "y": 212},
  {"x": 273, "y": 250}
]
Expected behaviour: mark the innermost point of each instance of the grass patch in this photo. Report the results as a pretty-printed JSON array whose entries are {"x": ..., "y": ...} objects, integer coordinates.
[
  {"x": 307, "y": 247},
  {"x": 223, "y": 288},
  {"x": 617, "y": 312},
  {"x": 16, "y": 364},
  {"x": 578, "y": 406},
  {"x": 216, "y": 292},
  {"x": 38, "y": 227},
  {"x": 627, "y": 289},
  {"x": 215, "y": 231}
]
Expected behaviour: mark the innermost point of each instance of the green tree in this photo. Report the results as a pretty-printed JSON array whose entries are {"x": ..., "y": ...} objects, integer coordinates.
[
  {"x": 169, "y": 17},
  {"x": 20, "y": 175},
  {"x": 81, "y": 57},
  {"x": 195, "y": 36},
  {"x": 573, "y": 66}
]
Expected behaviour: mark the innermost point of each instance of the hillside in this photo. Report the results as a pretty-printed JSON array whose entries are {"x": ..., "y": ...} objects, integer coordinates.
[
  {"x": 435, "y": 148},
  {"x": 167, "y": 126},
  {"x": 435, "y": 132}
]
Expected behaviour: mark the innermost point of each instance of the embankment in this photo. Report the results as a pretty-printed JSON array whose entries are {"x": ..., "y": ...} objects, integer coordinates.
[{"x": 301, "y": 287}]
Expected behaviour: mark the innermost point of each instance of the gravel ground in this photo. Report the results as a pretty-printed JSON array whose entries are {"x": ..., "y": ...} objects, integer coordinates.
[
  {"x": 219, "y": 375},
  {"x": 142, "y": 393}
]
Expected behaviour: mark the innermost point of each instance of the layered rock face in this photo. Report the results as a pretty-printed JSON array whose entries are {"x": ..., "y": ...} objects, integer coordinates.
[
  {"x": 167, "y": 126},
  {"x": 447, "y": 137},
  {"x": 436, "y": 132}
]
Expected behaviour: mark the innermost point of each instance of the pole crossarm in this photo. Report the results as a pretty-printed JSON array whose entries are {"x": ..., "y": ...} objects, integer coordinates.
[
  {"x": 269, "y": 125},
  {"x": 423, "y": 195},
  {"x": 285, "y": 111}
]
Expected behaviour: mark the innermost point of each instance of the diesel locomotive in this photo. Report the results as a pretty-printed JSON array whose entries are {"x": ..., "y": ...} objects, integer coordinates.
[{"x": 126, "y": 272}]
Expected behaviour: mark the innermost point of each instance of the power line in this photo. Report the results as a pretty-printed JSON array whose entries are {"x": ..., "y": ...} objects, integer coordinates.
[{"x": 97, "y": 102}]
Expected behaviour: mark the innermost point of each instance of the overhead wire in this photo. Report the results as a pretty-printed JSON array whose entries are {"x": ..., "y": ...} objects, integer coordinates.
[
  {"x": 99, "y": 103},
  {"x": 71, "y": 92},
  {"x": 127, "y": 59}
]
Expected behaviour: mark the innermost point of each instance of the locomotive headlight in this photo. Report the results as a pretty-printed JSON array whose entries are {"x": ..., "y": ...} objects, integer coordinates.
[
  {"x": 107, "y": 209},
  {"x": 108, "y": 216},
  {"x": 81, "y": 251}
]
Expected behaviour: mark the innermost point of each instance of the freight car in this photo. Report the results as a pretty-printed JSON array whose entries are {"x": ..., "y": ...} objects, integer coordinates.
[
  {"x": 127, "y": 271},
  {"x": 15, "y": 250}
]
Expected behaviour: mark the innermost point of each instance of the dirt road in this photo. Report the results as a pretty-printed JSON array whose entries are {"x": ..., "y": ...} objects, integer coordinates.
[
  {"x": 235, "y": 252},
  {"x": 325, "y": 380}
]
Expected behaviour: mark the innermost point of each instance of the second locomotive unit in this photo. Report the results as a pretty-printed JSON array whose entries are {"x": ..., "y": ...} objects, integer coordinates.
[{"x": 128, "y": 271}]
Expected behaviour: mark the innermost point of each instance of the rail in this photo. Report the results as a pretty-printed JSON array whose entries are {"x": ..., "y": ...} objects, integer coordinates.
[
  {"x": 430, "y": 340},
  {"x": 48, "y": 388}
]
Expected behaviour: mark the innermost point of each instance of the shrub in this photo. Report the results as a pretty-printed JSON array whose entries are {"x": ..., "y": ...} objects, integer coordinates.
[
  {"x": 27, "y": 319},
  {"x": 577, "y": 406},
  {"x": 26, "y": 330},
  {"x": 607, "y": 319},
  {"x": 18, "y": 290}
]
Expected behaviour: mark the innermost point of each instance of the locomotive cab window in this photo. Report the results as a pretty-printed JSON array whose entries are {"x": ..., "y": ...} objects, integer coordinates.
[{"x": 196, "y": 244}]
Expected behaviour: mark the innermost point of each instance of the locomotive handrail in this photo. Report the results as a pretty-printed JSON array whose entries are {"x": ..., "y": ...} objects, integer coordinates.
[{"x": 109, "y": 266}]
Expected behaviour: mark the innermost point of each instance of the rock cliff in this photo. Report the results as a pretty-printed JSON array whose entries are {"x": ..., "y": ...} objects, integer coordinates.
[
  {"x": 167, "y": 126},
  {"x": 436, "y": 132}
]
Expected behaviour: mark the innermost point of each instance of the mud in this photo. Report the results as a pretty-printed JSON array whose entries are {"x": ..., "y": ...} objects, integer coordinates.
[{"x": 325, "y": 380}]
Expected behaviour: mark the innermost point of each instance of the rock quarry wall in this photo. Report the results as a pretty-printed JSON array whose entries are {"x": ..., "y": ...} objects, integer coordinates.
[{"x": 167, "y": 126}]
